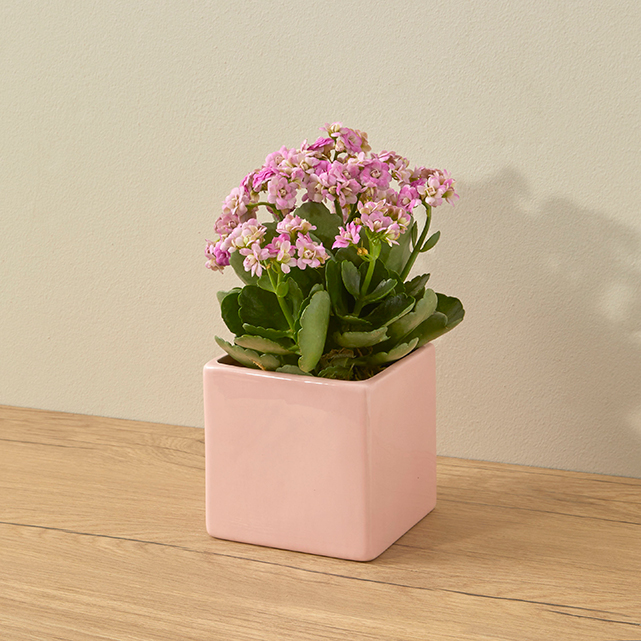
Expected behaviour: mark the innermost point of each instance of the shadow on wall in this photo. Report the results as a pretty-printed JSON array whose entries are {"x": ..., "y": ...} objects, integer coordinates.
[{"x": 546, "y": 369}]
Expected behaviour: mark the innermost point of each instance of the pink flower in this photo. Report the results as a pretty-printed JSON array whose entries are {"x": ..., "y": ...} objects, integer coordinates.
[
  {"x": 225, "y": 224},
  {"x": 244, "y": 235},
  {"x": 307, "y": 160},
  {"x": 247, "y": 185},
  {"x": 353, "y": 166},
  {"x": 290, "y": 165},
  {"x": 253, "y": 257},
  {"x": 282, "y": 251},
  {"x": 375, "y": 174},
  {"x": 421, "y": 173},
  {"x": 333, "y": 130},
  {"x": 217, "y": 258},
  {"x": 347, "y": 193},
  {"x": 373, "y": 216},
  {"x": 275, "y": 158},
  {"x": 322, "y": 166},
  {"x": 292, "y": 224},
  {"x": 282, "y": 193},
  {"x": 349, "y": 235},
  {"x": 333, "y": 183},
  {"x": 322, "y": 144},
  {"x": 371, "y": 206},
  {"x": 350, "y": 140},
  {"x": 354, "y": 141},
  {"x": 448, "y": 183},
  {"x": 435, "y": 186},
  {"x": 309, "y": 253},
  {"x": 431, "y": 191},
  {"x": 376, "y": 221},
  {"x": 407, "y": 198},
  {"x": 236, "y": 202},
  {"x": 261, "y": 177},
  {"x": 400, "y": 216},
  {"x": 391, "y": 234},
  {"x": 314, "y": 189},
  {"x": 398, "y": 165}
]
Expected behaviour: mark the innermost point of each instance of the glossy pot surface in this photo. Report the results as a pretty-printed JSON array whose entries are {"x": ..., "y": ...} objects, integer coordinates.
[{"x": 337, "y": 468}]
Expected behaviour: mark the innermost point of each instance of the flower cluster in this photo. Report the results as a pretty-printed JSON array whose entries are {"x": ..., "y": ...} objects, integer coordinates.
[
  {"x": 291, "y": 247},
  {"x": 385, "y": 222},
  {"x": 373, "y": 194}
]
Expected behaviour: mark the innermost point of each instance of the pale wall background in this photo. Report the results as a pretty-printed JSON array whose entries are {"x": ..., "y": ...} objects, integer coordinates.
[{"x": 123, "y": 125}]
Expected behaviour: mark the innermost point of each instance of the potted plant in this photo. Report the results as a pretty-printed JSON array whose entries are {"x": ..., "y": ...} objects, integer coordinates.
[{"x": 320, "y": 418}]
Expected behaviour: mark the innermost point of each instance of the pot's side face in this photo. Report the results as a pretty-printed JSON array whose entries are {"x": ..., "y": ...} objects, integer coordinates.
[
  {"x": 337, "y": 468},
  {"x": 402, "y": 450},
  {"x": 285, "y": 461}
]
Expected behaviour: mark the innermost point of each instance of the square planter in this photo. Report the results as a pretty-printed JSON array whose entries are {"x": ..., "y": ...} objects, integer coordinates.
[{"x": 337, "y": 468}]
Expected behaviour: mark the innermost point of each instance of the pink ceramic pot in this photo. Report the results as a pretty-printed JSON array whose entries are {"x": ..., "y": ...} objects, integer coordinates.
[{"x": 338, "y": 468}]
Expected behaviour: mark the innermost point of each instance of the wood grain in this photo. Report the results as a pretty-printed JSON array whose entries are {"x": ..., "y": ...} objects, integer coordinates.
[{"x": 102, "y": 537}]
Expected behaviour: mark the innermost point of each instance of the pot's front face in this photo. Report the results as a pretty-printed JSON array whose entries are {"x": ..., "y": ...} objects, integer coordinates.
[{"x": 339, "y": 468}]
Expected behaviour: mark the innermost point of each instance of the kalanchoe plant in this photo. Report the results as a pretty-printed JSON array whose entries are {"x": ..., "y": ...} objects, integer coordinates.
[{"x": 326, "y": 290}]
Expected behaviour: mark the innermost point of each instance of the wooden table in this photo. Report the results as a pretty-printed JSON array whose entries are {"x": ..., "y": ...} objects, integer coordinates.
[{"x": 102, "y": 536}]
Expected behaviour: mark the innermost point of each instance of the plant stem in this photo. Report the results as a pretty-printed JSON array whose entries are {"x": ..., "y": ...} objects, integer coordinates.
[
  {"x": 281, "y": 300},
  {"x": 375, "y": 250},
  {"x": 339, "y": 210},
  {"x": 419, "y": 243},
  {"x": 354, "y": 209}
]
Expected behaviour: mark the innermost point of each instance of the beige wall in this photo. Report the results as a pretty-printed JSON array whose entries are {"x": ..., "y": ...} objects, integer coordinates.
[{"x": 124, "y": 124}]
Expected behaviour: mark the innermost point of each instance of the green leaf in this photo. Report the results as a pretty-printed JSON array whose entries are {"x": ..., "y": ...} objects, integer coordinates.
[
  {"x": 429, "y": 329},
  {"x": 394, "y": 354},
  {"x": 282, "y": 288},
  {"x": 261, "y": 344},
  {"x": 305, "y": 278},
  {"x": 449, "y": 313},
  {"x": 301, "y": 308},
  {"x": 266, "y": 332},
  {"x": 351, "y": 278},
  {"x": 348, "y": 253},
  {"x": 236, "y": 261},
  {"x": 264, "y": 282},
  {"x": 356, "y": 321},
  {"x": 415, "y": 286},
  {"x": 430, "y": 242},
  {"x": 221, "y": 294},
  {"x": 361, "y": 339},
  {"x": 326, "y": 223},
  {"x": 400, "y": 287},
  {"x": 384, "y": 288},
  {"x": 423, "y": 309},
  {"x": 229, "y": 311},
  {"x": 335, "y": 287},
  {"x": 259, "y": 307},
  {"x": 338, "y": 358},
  {"x": 294, "y": 296},
  {"x": 390, "y": 310},
  {"x": 336, "y": 372},
  {"x": 313, "y": 330},
  {"x": 249, "y": 357},
  {"x": 452, "y": 308},
  {"x": 292, "y": 369}
]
